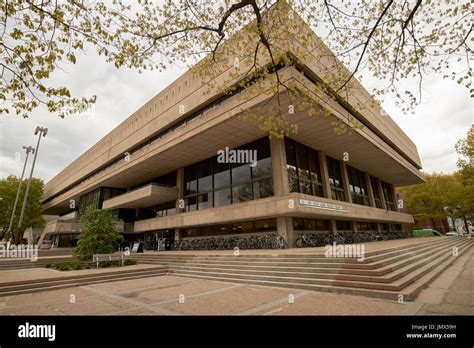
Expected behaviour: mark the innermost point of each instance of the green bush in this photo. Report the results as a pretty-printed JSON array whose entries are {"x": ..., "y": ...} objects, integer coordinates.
[
  {"x": 129, "y": 262},
  {"x": 100, "y": 235},
  {"x": 77, "y": 265}
]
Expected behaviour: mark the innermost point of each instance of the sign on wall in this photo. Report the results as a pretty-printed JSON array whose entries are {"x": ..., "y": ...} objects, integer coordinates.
[{"x": 320, "y": 205}]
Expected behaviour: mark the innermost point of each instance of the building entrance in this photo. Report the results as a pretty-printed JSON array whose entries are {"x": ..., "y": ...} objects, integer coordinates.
[{"x": 159, "y": 240}]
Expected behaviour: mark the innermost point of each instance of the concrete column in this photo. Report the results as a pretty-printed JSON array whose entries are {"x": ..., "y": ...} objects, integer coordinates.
[
  {"x": 177, "y": 234},
  {"x": 345, "y": 182},
  {"x": 394, "y": 197},
  {"x": 180, "y": 187},
  {"x": 379, "y": 227},
  {"x": 382, "y": 196},
  {"x": 323, "y": 164},
  {"x": 280, "y": 173},
  {"x": 369, "y": 189},
  {"x": 353, "y": 226},
  {"x": 332, "y": 226},
  {"x": 285, "y": 229}
]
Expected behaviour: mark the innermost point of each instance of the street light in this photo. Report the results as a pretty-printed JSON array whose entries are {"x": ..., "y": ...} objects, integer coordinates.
[
  {"x": 42, "y": 132},
  {"x": 28, "y": 150}
]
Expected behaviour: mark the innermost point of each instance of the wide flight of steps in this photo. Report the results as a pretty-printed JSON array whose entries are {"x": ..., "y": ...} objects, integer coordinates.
[
  {"x": 9, "y": 264},
  {"x": 386, "y": 274},
  {"x": 67, "y": 281}
]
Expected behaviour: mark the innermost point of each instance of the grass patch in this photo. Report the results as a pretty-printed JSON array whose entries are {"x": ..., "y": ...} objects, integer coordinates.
[{"x": 77, "y": 265}]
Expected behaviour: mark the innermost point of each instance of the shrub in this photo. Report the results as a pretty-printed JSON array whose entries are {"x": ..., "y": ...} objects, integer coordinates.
[
  {"x": 129, "y": 262},
  {"x": 100, "y": 235}
]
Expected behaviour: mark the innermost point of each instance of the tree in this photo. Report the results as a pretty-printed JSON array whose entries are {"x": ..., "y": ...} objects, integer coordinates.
[
  {"x": 465, "y": 148},
  {"x": 446, "y": 195},
  {"x": 32, "y": 217},
  {"x": 428, "y": 201},
  {"x": 100, "y": 234},
  {"x": 390, "y": 40}
]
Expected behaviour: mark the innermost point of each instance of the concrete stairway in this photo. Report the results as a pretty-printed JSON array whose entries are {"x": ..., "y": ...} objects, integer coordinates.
[
  {"x": 7, "y": 264},
  {"x": 387, "y": 273},
  {"x": 48, "y": 284}
]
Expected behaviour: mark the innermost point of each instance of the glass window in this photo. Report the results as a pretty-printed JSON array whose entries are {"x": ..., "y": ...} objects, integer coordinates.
[
  {"x": 241, "y": 174},
  {"x": 335, "y": 179},
  {"x": 221, "y": 174},
  {"x": 190, "y": 179},
  {"x": 343, "y": 225},
  {"x": 298, "y": 224},
  {"x": 302, "y": 162},
  {"x": 366, "y": 226},
  {"x": 222, "y": 197},
  {"x": 388, "y": 195},
  {"x": 205, "y": 176},
  {"x": 205, "y": 201},
  {"x": 262, "y": 169},
  {"x": 263, "y": 188},
  {"x": 303, "y": 168},
  {"x": 265, "y": 225},
  {"x": 240, "y": 180},
  {"x": 358, "y": 186},
  {"x": 242, "y": 193},
  {"x": 190, "y": 203},
  {"x": 314, "y": 166}
]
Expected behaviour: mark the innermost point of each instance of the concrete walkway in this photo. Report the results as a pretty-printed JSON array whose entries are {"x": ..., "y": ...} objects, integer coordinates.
[
  {"x": 452, "y": 292},
  {"x": 172, "y": 295}
]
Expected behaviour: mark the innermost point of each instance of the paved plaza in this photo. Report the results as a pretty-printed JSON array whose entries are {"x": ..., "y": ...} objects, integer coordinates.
[{"x": 451, "y": 293}]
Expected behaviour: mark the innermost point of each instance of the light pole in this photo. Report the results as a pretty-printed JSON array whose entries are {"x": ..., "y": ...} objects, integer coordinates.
[
  {"x": 28, "y": 150},
  {"x": 42, "y": 132}
]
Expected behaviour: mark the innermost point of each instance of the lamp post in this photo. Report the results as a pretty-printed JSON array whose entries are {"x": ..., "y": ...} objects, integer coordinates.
[
  {"x": 42, "y": 132},
  {"x": 28, "y": 150}
]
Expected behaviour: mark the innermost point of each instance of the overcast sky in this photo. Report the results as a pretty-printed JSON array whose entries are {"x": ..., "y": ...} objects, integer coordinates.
[{"x": 446, "y": 114}]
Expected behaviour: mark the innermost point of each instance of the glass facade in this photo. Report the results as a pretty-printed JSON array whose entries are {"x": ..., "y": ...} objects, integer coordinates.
[
  {"x": 335, "y": 179},
  {"x": 366, "y": 226},
  {"x": 342, "y": 225},
  {"x": 304, "y": 173},
  {"x": 209, "y": 183},
  {"x": 268, "y": 225},
  {"x": 376, "y": 191},
  {"x": 388, "y": 195},
  {"x": 97, "y": 197},
  {"x": 358, "y": 186},
  {"x": 159, "y": 210},
  {"x": 300, "y": 224}
]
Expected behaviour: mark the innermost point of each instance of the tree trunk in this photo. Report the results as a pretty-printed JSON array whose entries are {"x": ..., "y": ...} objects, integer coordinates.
[{"x": 465, "y": 224}]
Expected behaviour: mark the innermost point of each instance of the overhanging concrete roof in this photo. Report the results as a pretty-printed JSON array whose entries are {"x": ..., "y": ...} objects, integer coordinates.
[
  {"x": 223, "y": 128},
  {"x": 142, "y": 197}
]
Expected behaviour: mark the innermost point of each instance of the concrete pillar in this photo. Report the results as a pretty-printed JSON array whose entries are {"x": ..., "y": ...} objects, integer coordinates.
[
  {"x": 280, "y": 173},
  {"x": 177, "y": 234},
  {"x": 180, "y": 187},
  {"x": 394, "y": 197},
  {"x": 370, "y": 192},
  {"x": 345, "y": 182},
  {"x": 379, "y": 227},
  {"x": 323, "y": 164},
  {"x": 285, "y": 229},
  {"x": 332, "y": 226},
  {"x": 382, "y": 196},
  {"x": 353, "y": 226}
]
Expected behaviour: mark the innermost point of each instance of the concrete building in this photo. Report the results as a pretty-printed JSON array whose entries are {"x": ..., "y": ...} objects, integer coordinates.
[{"x": 160, "y": 171}]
